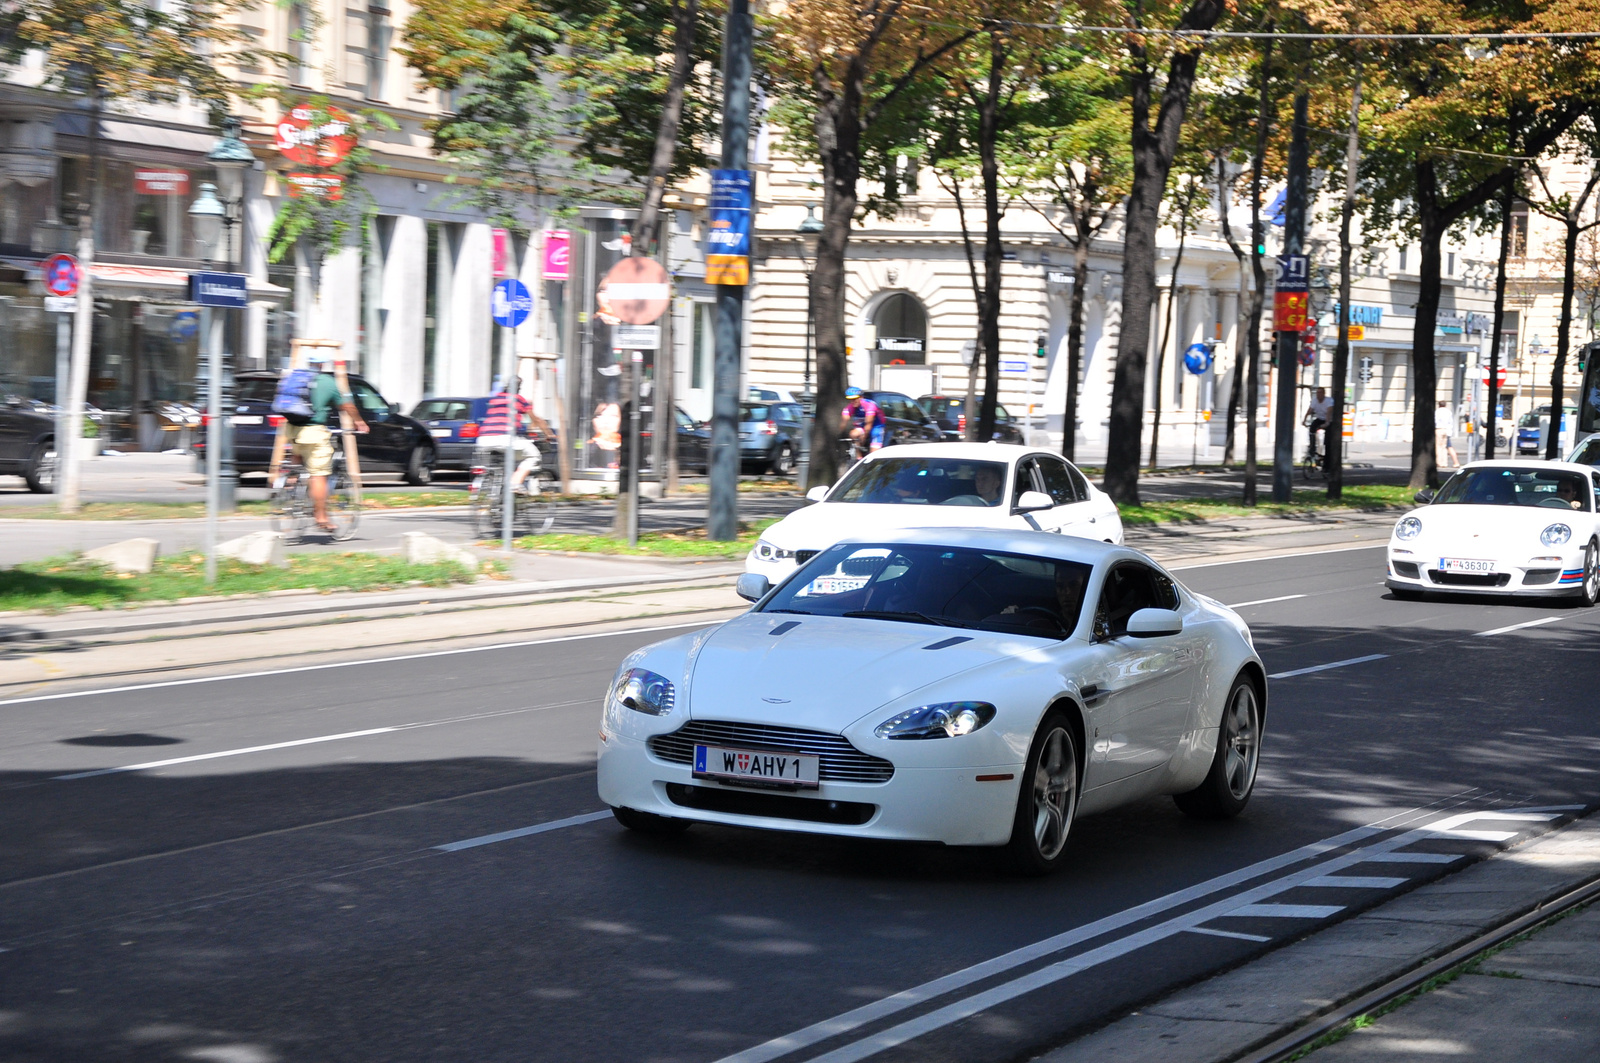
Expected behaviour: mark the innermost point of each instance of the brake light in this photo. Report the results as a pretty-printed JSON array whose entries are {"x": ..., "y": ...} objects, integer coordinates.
[
  {"x": 479, "y": 470},
  {"x": 961, "y": 422},
  {"x": 771, "y": 429},
  {"x": 205, "y": 419},
  {"x": 469, "y": 431},
  {"x": 275, "y": 420}
]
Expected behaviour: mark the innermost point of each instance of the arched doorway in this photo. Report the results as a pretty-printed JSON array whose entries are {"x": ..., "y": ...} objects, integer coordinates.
[{"x": 902, "y": 327}]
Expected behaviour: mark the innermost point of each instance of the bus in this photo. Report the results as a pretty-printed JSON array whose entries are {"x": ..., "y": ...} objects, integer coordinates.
[{"x": 1586, "y": 450}]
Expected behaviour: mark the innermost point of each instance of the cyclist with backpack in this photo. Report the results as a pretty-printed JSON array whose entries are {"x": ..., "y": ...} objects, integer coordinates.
[{"x": 306, "y": 399}]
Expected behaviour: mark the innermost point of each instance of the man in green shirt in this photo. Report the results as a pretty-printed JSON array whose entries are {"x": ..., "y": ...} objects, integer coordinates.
[{"x": 313, "y": 443}]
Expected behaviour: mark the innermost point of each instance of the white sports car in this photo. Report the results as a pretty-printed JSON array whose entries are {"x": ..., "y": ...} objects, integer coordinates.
[
  {"x": 1502, "y": 527},
  {"x": 940, "y": 485},
  {"x": 963, "y": 686}
]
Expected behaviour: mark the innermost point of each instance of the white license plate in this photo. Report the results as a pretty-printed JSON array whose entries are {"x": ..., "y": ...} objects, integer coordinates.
[
  {"x": 837, "y": 584},
  {"x": 1461, "y": 564},
  {"x": 443, "y": 433},
  {"x": 247, "y": 420},
  {"x": 756, "y": 767}
]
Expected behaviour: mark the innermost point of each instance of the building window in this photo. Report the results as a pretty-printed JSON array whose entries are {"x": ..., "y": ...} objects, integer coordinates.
[
  {"x": 902, "y": 331},
  {"x": 1450, "y": 264},
  {"x": 700, "y": 356},
  {"x": 1519, "y": 230},
  {"x": 378, "y": 32},
  {"x": 301, "y": 29},
  {"x": 1402, "y": 259}
]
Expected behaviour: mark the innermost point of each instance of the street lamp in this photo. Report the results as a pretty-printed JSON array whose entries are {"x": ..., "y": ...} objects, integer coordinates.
[
  {"x": 810, "y": 233},
  {"x": 206, "y": 214}
]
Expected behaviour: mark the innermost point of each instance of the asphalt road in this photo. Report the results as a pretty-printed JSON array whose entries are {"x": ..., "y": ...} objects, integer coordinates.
[{"x": 290, "y": 883}]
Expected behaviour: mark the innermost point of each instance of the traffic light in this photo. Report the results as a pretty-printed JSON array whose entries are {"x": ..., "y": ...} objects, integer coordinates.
[{"x": 1041, "y": 346}]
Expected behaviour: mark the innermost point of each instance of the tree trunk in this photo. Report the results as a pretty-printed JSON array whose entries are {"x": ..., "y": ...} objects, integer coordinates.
[
  {"x": 1569, "y": 250},
  {"x": 1499, "y": 323},
  {"x": 685, "y": 20},
  {"x": 1080, "y": 280},
  {"x": 970, "y": 409},
  {"x": 1334, "y": 431},
  {"x": 1424, "y": 372},
  {"x": 1236, "y": 387},
  {"x": 1258, "y": 276},
  {"x": 993, "y": 254},
  {"x": 1166, "y": 335}
]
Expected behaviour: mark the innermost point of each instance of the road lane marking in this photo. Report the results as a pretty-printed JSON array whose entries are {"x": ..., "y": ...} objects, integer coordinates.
[
  {"x": 353, "y": 664},
  {"x": 1214, "y": 932},
  {"x": 1478, "y": 835},
  {"x": 1284, "y": 911},
  {"x": 1518, "y": 627},
  {"x": 149, "y": 764},
  {"x": 1414, "y": 858},
  {"x": 522, "y": 832},
  {"x": 1268, "y": 601},
  {"x": 1360, "y": 882},
  {"x": 1275, "y": 557},
  {"x": 1325, "y": 667},
  {"x": 1000, "y": 994}
]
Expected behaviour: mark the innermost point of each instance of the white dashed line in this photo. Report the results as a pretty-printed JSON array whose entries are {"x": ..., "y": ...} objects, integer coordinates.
[
  {"x": 1325, "y": 667},
  {"x": 1518, "y": 627},
  {"x": 522, "y": 832},
  {"x": 147, "y": 765},
  {"x": 1267, "y": 601},
  {"x": 1236, "y": 935}
]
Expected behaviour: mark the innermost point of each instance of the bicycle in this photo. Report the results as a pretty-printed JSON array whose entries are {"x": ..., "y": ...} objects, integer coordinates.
[
  {"x": 1312, "y": 462},
  {"x": 530, "y": 514},
  {"x": 292, "y": 512}
]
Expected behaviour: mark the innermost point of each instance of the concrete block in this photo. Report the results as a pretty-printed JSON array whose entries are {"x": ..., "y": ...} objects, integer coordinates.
[
  {"x": 130, "y": 555},
  {"x": 257, "y": 548},
  {"x": 420, "y": 548}
]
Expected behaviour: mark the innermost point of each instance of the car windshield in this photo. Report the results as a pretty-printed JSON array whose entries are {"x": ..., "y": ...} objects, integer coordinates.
[
  {"x": 924, "y": 482},
  {"x": 1529, "y": 420},
  {"x": 942, "y": 586},
  {"x": 750, "y": 411},
  {"x": 255, "y": 389},
  {"x": 1550, "y": 488},
  {"x": 1588, "y": 452}
]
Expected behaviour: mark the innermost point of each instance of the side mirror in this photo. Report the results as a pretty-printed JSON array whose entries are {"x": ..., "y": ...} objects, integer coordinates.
[
  {"x": 752, "y": 587},
  {"x": 394, "y": 407},
  {"x": 1150, "y": 623},
  {"x": 816, "y": 494},
  {"x": 1033, "y": 501},
  {"x": 1423, "y": 497}
]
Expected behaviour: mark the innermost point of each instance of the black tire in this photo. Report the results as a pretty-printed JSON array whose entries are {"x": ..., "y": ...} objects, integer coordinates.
[
  {"x": 1047, "y": 799},
  {"x": 782, "y": 463},
  {"x": 419, "y": 469},
  {"x": 1232, "y": 777},
  {"x": 343, "y": 512},
  {"x": 41, "y": 470},
  {"x": 1591, "y": 575},
  {"x": 649, "y": 822}
]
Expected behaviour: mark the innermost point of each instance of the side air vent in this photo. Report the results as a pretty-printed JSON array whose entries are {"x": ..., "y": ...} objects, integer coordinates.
[{"x": 945, "y": 644}]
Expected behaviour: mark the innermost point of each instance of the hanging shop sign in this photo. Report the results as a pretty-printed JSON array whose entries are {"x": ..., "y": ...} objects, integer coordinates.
[
  {"x": 899, "y": 343},
  {"x": 329, "y": 186},
  {"x": 152, "y": 182},
  {"x": 301, "y": 140},
  {"x": 728, "y": 245},
  {"x": 557, "y": 254},
  {"x": 1292, "y": 295}
]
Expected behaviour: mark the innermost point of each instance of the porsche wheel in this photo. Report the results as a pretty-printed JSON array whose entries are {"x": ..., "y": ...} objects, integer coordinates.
[
  {"x": 1591, "y": 575},
  {"x": 1047, "y": 800},
  {"x": 1232, "y": 777},
  {"x": 649, "y": 822}
]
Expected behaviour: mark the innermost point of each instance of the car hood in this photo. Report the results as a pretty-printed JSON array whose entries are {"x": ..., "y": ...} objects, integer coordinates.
[
  {"x": 827, "y": 672},
  {"x": 825, "y": 523},
  {"x": 1512, "y": 527}
]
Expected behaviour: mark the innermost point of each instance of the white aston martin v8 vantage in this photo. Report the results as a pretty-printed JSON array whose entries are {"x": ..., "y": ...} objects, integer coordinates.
[
  {"x": 967, "y": 686},
  {"x": 1502, "y": 527}
]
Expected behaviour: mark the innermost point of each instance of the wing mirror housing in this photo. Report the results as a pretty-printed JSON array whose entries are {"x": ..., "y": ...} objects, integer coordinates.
[
  {"x": 1423, "y": 497},
  {"x": 752, "y": 586},
  {"x": 1150, "y": 623},
  {"x": 1032, "y": 502},
  {"x": 816, "y": 494},
  {"x": 394, "y": 408}
]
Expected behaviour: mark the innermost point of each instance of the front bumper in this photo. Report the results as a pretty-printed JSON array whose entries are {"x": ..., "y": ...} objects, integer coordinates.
[
  {"x": 945, "y": 804},
  {"x": 1413, "y": 570},
  {"x": 776, "y": 570}
]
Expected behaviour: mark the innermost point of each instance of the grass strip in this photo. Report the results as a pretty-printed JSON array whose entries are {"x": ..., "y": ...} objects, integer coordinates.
[
  {"x": 690, "y": 543},
  {"x": 251, "y": 508},
  {"x": 1305, "y": 501},
  {"x": 58, "y": 582}
]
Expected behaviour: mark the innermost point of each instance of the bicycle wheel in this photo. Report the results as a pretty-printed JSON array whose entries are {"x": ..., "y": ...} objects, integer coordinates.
[
  {"x": 280, "y": 513},
  {"x": 486, "y": 506},
  {"x": 343, "y": 511},
  {"x": 534, "y": 514}
]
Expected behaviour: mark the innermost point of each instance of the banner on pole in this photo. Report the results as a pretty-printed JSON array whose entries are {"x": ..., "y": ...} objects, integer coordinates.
[
  {"x": 557, "y": 254},
  {"x": 1291, "y": 297},
  {"x": 728, "y": 245}
]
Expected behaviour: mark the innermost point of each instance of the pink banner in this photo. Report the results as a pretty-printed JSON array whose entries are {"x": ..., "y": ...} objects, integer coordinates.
[
  {"x": 501, "y": 254},
  {"x": 557, "y": 254}
]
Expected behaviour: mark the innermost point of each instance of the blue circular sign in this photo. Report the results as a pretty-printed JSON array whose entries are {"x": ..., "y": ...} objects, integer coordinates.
[
  {"x": 1198, "y": 358},
  {"x": 510, "y": 302}
]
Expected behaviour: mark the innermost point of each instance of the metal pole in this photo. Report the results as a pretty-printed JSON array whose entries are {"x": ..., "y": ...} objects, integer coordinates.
[
  {"x": 63, "y": 385},
  {"x": 1288, "y": 343},
  {"x": 810, "y": 404},
  {"x": 722, "y": 517},
  {"x": 509, "y": 381},
  {"x": 211, "y": 327},
  {"x": 636, "y": 362}
]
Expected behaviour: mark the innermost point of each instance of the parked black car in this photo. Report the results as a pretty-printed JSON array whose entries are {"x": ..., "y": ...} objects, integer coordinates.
[
  {"x": 27, "y": 444},
  {"x": 769, "y": 436},
  {"x": 694, "y": 443},
  {"x": 394, "y": 442},
  {"x": 950, "y": 413},
  {"x": 904, "y": 421}
]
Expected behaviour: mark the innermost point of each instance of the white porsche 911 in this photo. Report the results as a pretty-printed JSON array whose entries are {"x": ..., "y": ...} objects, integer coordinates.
[
  {"x": 966, "y": 686},
  {"x": 1502, "y": 527},
  {"x": 940, "y": 485}
]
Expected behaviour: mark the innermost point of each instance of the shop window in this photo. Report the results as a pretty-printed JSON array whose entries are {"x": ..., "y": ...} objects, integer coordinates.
[
  {"x": 301, "y": 31},
  {"x": 378, "y": 33},
  {"x": 902, "y": 331}
]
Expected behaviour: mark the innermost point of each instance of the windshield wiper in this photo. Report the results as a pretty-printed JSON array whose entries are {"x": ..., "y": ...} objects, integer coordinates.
[
  {"x": 797, "y": 612},
  {"x": 922, "y": 618}
]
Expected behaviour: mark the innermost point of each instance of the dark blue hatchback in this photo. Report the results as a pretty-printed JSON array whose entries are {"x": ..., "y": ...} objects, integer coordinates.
[{"x": 454, "y": 424}]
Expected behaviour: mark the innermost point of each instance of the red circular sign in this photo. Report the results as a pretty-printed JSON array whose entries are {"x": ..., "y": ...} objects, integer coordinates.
[
  {"x": 635, "y": 291},
  {"x": 61, "y": 275},
  {"x": 302, "y": 141}
]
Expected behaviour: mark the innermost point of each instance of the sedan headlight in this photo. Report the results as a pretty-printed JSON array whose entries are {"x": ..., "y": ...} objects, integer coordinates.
[
  {"x": 644, "y": 691},
  {"x": 765, "y": 551},
  {"x": 1555, "y": 535},
  {"x": 1409, "y": 528},
  {"x": 949, "y": 720}
]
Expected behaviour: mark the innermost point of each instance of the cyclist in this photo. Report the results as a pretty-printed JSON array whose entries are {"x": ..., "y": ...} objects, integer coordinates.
[
  {"x": 313, "y": 443},
  {"x": 862, "y": 419},
  {"x": 1318, "y": 414},
  {"x": 497, "y": 421}
]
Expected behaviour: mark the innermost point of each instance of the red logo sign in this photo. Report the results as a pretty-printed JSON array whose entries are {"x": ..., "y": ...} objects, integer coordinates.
[
  {"x": 315, "y": 145},
  {"x": 328, "y": 186},
  {"x": 161, "y": 182},
  {"x": 1289, "y": 311},
  {"x": 61, "y": 275}
]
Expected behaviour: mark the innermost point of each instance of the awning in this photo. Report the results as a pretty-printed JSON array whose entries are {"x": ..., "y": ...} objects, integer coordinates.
[{"x": 113, "y": 280}]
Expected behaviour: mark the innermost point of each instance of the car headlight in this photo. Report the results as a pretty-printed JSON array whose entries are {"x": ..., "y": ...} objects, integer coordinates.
[
  {"x": 644, "y": 691},
  {"x": 1555, "y": 535},
  {"x": 949, "y": 720},
  {"x": 1409, "y": 528},
  {"x": 765, "y": 551}
]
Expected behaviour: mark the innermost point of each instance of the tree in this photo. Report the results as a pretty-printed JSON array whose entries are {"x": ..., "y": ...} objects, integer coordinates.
[
  {"x": 1182, "y": 215},
  {"x": 1153, "y": 148}
]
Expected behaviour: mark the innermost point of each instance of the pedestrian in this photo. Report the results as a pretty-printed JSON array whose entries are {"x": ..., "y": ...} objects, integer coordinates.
[{"x": 1443, "y": 443}]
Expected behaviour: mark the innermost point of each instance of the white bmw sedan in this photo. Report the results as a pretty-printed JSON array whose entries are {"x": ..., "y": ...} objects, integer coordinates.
[
  {"x": 1502, "y": 527},
  {"x": 962, "y": 686},
  {"x": 940, "y": 485}
]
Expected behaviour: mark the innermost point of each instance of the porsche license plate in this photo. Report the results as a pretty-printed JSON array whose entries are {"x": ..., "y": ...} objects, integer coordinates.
[
  {"x": 1461, "y": 564},
  {"x": 756, "y": 767}
]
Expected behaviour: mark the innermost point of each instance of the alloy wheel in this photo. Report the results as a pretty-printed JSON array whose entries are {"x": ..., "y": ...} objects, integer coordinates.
[
  {"x": 1591, "y": 575},
  {"x": 1242, "y": 738},
  {"x": 1055, "y": 794}
]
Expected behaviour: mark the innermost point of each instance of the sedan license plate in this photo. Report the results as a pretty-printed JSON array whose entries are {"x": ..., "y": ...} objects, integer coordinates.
[
  {"x": 1461, "y": 564},
  {"x": 443, "y": 433},
  {"x": 247, "y": 420},
  {"x": 755, "y": 767}
]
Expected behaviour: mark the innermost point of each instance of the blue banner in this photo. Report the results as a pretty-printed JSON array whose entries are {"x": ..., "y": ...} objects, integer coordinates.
[{"x": 728, "y": 245}]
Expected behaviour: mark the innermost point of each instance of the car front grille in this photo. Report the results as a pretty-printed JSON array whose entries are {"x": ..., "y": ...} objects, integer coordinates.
[
  {"x": 1407, "y": 569},
  {"x": 802, "y": 556},
  {"x": 1469, "y": 579},
  {"x": 838, "y": 760},
  {"x": 1538, "y": 576},
  {"x": 772, "y": 806}
]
